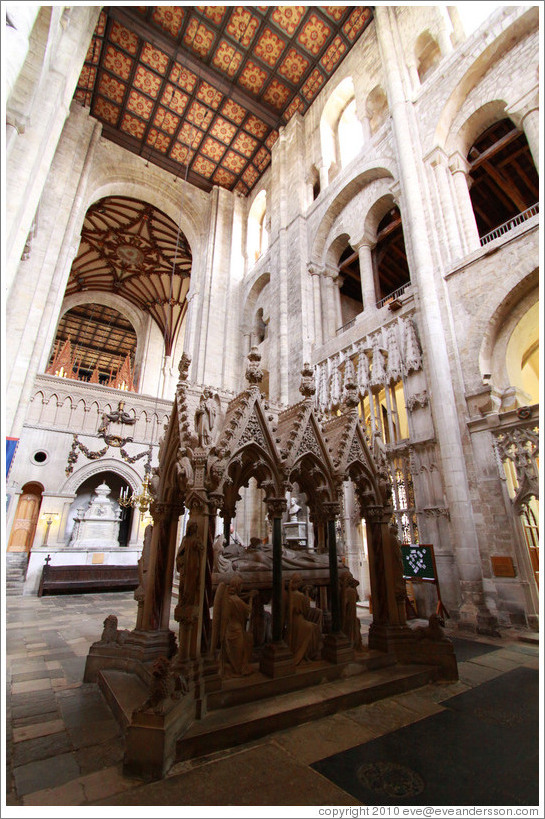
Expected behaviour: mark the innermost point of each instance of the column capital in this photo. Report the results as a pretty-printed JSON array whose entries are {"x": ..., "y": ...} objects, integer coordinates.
[
  {"x": 276, "y": 507},
  {"x": 315, "y": 269},
  {"x": 437, "y": 157},
  {"x": 524, "y": 105},
  {"x": 365, "y": 240},
  {"x": 329, "y": 271},
  {"x": 332, "y": 509},
  {"x": 458, "y": 163}
]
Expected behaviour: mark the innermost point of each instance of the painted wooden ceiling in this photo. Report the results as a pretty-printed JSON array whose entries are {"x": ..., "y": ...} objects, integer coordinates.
[
  {"x": 201, "y": 91},
  {"x": 131, "y": 248}
]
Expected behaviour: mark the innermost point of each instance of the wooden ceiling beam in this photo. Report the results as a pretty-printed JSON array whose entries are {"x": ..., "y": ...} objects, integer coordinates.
[
  {"x": 507, "y": 186},
  {"x": 388, "y": 229},
  {"x": 134, "y": 22},
  {"x": 497, "y": 146}
]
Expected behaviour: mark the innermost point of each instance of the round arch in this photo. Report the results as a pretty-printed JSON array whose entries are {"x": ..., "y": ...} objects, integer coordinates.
[
  {"x": 175, "y": 200},
  {"x": 476, "y": 70},
  {"x": 323, "y": 237},
  {"x": 125, "y": 471}
]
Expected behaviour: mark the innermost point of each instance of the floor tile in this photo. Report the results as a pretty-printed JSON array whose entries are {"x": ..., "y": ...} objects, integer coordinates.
[{"x": 40, "y": 729}]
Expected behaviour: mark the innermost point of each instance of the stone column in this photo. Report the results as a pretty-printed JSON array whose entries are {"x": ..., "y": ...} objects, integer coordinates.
[
  {"x": 337, "y": 648},
  {"x": 474, "y": 611},
  {"x": 331, "y": 301},
  {"x": 324, "y": 176},
  {"x": 315, "y": 274},
  {"x": 413, "y": 75},
  {"x": 459, "y": 168},
  {"x": 457, "y": 27},
  {"x": 443, "y": 36},
  {"x": 366, "y": 128},
  {"x": 438, "y": 161},
  {"x": 276, "y": 658},
  {"x": 367, "y": 275},
  {"x": 530, "y": 125},
  {"x": 525, "y": 114}
]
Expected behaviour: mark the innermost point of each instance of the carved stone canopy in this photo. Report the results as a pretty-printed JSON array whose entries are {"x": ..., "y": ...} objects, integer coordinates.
[{"x": 254, "y": 439}]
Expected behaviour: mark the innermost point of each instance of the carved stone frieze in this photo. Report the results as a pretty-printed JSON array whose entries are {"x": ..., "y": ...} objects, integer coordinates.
[
  {"x": 418, "y": 399},
  {"x": 434, "y": 512}
]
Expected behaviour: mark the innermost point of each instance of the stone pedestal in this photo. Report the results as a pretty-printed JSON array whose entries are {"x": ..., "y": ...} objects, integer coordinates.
[
  {"x": 127, "y": 650},
  {"x": 337, "y": 648},
  {"x": 295, "y": 534},
  {"x": 98, "y": 528},
  {"x": 150, "y": 738},
  {"x": 276, "y": 660}
]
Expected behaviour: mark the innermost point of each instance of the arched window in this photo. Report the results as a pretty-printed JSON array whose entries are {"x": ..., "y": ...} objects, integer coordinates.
[
  {"x": 350, "y": 291},
  {"x": 350, "y": 134},
  {"x": 522, "y": 355},
  {"x": 504, "y": 181},
  {"x": 95, "y": 343},
  {"x": 341, "y": 135},
  {"x": 427, "y": 53},
  {"x": 376, "y": 108},
  {"x": 258, "y": 238},
  {"x": 390, "y": 257}
]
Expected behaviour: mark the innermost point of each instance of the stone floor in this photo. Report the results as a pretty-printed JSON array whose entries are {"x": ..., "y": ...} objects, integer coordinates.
[{"x": 63, "y": 747}]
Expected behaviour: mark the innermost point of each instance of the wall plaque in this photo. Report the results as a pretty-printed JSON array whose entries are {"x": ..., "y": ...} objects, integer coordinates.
[{"x": 502, "y": 566}]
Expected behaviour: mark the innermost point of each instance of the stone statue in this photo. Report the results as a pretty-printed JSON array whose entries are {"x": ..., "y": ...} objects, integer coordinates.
[
  {"x": 166, "y": 685},
  {"x": 350, "y": 624},
  {"x": 188, "y": 564},
  {"x": 143, "y": 568},
  {"x": 294, "y": 510},
  {"x": 205, "y": 418},
  {"x": 217, "y": 548},
  {"x": 110, "y": 633},
  {"x": 303, "y": 623},
  {"x": 230, "y": 619}
]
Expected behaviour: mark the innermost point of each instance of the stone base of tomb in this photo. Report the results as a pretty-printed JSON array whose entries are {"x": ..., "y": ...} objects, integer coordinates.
[
  {"x": 128, "y": 650},
  {"x": 244, "y": 708},
  {"x": 410, "y": 645},
  {"x": 276, "y": 660},
  {"x": 337, "y": 648}
]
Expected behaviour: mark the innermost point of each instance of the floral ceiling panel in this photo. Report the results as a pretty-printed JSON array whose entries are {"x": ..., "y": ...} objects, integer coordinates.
[{"x": 201, "y": 91}]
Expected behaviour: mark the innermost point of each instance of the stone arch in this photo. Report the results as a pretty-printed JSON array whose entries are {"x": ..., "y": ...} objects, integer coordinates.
[
  {"x": 345, "y": 197},
  {"x": 119, "y": 179},
  {"x": 256, "y": 298},
  {"x": 427, "y": 54},
  {"x": 376, "y": 107},
  {"x": 256, "y": 234},
  {"x": 486, "y": 115},
  {"x": 79, "y": 476},
  {"x": 332, "y": 113},
  {"x": 493, "y": 51},
  {"x": 492, "y": 354}
]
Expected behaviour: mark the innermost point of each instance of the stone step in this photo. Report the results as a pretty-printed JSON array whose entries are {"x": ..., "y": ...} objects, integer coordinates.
[
  {"x": 259, "y": 687},
  {"x": 232, "y": 726}
]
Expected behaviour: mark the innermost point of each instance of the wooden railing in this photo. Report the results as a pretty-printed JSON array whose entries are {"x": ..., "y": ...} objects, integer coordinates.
[{"x": 512, "y": 223}]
